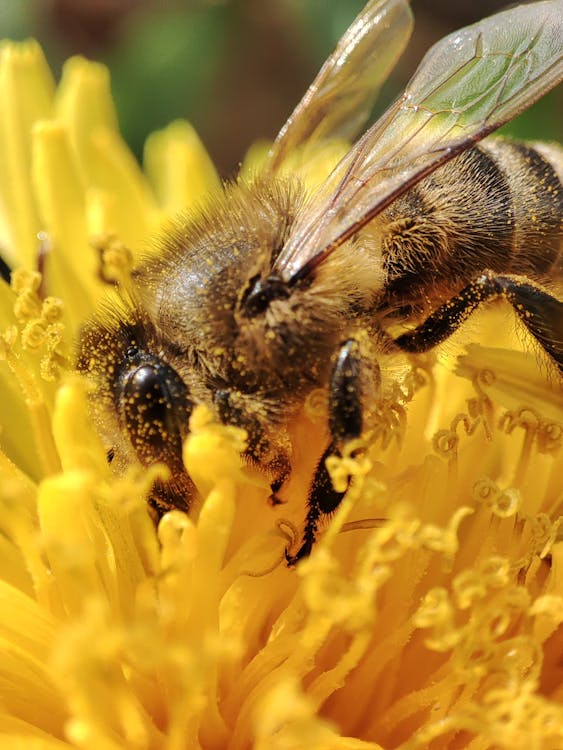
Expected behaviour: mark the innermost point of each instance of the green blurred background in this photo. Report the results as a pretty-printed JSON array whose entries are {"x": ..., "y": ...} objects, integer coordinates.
[{"x": 234, "y": 68}]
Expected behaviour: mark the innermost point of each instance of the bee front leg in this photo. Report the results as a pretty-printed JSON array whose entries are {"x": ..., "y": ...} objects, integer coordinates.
[
  {"x": 345, "y": 423},
  {"x": 539, "y": 311}
]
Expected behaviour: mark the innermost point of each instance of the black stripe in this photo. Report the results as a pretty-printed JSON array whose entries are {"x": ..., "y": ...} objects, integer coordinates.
[
  {"x": 5, "y": 270},
  {"x": 543, "y": 171},
  {"x": 539, "y": 206}
]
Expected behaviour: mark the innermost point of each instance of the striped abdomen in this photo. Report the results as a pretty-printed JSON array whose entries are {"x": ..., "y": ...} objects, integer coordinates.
[{"x": 498, "y": 206}]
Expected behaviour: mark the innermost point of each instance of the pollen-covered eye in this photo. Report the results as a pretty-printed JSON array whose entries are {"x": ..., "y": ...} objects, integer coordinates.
[{"x": 153, "y": 406}]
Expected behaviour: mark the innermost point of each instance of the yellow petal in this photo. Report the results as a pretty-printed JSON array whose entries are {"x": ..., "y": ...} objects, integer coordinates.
[
  {"x": 83, "y": 104},
  {"x": 25, "y": 642},
  {"x": 71, "y": 263},
  {"x": 26, "y": 96},
  {"x": 105, "y": 163},
  {"x": 179, "y": 168}
]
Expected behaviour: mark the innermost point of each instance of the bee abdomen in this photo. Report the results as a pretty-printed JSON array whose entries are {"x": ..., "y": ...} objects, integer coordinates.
[
  {"x": 496, "y": 207},
  {"x": 533, "y": 174}
]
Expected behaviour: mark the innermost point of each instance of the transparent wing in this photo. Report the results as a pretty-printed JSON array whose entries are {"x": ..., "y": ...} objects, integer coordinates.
[
  {"x": 340, "y": 99},
  {"x": 467, "y": 85}
]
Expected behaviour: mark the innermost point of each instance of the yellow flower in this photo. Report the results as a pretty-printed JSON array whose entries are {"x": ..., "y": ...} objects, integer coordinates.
[{"x": 439, "y": 626}]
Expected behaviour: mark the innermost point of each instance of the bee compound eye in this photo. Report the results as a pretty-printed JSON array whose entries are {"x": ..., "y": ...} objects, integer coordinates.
[{"x": 153, "y": 405}]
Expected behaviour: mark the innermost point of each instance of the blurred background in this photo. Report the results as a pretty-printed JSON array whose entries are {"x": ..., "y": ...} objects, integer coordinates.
[{"x": 234, "y": 68}]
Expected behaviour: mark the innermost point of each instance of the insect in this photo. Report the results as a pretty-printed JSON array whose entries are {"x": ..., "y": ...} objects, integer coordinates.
[{"x": 274, "y": 291}]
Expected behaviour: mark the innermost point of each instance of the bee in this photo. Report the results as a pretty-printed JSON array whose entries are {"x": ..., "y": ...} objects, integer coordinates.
[{"x": 273, "y": 290}]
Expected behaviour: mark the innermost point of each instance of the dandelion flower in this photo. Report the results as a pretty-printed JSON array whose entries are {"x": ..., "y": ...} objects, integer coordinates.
[{"x": 437, "y": 627}]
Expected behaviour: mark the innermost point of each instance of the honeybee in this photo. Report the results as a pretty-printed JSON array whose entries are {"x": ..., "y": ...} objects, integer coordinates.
[{"x": 273, "y": 291}]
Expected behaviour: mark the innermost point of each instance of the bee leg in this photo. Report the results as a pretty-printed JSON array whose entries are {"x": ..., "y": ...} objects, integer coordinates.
[
  {"x": 539, "y": 311},
  {"x": 345, "y": 423}
]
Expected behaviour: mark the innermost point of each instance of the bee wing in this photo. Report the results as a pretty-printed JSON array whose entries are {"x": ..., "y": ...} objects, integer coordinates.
[
  {"x": 341, "y": 97},
  {"x": 467, "y": 85}
]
